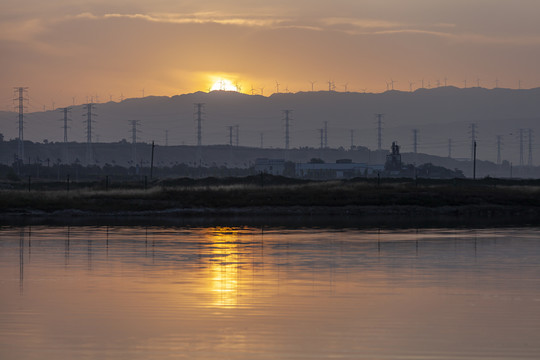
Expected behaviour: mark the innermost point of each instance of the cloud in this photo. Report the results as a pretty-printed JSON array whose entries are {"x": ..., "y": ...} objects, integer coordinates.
[{"x": 197, "y": 18}]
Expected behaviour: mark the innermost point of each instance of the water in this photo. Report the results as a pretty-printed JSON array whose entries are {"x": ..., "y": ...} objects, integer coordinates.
[{"x": 97, "y": 292}]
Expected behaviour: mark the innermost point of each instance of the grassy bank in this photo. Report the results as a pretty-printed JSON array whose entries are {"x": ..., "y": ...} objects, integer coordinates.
[{"x": 273, "y": 196}]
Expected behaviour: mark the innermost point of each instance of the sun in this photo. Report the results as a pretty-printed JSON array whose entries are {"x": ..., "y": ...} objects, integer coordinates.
[{"x": 224, "y": 85}]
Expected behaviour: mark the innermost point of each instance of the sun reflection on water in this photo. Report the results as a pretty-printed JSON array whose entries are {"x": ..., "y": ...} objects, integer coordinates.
[{"x": 224, "y": 266}]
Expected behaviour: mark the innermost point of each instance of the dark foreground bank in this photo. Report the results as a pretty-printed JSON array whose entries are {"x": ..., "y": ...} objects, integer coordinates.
[{"x": 282, "y": 197}]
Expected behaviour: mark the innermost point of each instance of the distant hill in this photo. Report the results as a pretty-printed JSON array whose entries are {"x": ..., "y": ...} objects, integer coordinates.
[{"x": 439, "y": 114}]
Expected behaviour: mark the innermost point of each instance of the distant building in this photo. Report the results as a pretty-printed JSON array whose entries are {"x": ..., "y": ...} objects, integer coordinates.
[
  {"x": 270, "y": 166},
  {"x": 393, "y": 161},
  {"x": 341, "y": 169}
]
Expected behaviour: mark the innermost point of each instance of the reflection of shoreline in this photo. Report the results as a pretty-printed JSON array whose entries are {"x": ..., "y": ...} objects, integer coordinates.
[
  {"x": 292, "y": 217},
  {"x": 487, "y": 210}
]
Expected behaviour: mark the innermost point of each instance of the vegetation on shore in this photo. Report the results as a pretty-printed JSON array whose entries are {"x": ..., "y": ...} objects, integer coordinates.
[{"x": 275, "y": 192}]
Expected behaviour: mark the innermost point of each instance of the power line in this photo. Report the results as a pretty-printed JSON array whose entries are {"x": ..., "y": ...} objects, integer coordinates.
[
  {"x": 521, "y": 163},
  {"x": 134, "y": 131},
  {"x": 65, "y": 111},
  {"x": 19, "y": 93},
  {"x": 199, "y": 113},
  {"x": 530, "y": 160},
  {"x": 415, "y": 139},
  {"x": 89, "y": 153},
  {"x": 379, "y": 130},
  {"x": 287, "y": 119},
  {"x": 499, "y": 146},
  {"x": 326, "y": 134}
]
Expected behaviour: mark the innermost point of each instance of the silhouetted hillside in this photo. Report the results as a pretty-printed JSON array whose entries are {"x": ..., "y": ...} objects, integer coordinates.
[{"x": 439, "y": 114}]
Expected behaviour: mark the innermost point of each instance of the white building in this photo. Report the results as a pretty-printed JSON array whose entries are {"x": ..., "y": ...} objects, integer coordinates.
[
  {"x": 339, "y": 170},
  {"x": 270, "y": 166}
]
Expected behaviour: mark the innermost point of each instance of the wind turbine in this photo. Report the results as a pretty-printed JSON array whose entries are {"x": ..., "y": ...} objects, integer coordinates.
[
  {"x": 277, "y": 87},
  {"x": 345, "y": 86},
  {"x": 312, "y": 83},
  {"x": 262, "y": 91},
  {"x": 411, "y": 83}
]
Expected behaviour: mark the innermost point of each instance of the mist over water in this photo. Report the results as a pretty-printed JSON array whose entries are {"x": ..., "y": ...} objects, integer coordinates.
[{"x": 208, "y": 292}]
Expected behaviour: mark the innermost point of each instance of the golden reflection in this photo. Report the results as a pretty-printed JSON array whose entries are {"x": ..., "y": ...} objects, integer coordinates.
[{"x": 224, "y": 266}]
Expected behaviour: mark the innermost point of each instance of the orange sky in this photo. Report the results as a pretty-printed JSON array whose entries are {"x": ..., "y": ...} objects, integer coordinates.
[{"x": 66, "y": 52}]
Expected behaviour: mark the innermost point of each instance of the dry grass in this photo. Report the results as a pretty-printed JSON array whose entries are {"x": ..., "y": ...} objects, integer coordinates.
[{"x": 331, "y": 193}]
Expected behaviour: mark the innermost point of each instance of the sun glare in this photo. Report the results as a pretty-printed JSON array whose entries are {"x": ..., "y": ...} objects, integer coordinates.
[{"x": 224, "y": 85}]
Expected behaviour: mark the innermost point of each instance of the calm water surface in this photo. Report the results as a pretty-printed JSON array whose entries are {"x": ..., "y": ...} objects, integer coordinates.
[{"x": 258, "y": 293}]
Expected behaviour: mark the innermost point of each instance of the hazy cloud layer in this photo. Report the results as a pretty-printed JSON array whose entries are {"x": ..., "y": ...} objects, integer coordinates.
[{"x": 63, "y": 50}]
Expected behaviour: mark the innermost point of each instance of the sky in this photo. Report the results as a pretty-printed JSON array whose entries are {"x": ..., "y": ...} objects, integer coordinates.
[{"x": 66, "y": 52}]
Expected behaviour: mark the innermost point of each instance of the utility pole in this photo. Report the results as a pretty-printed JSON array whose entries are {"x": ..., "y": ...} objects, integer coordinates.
[
  {"x": 499, "y": 144},
  {"x": 134, "y": 132},
  {"x": 450, "y": 148},
  {"x": 530, "y": 161},
  {"x": 89, "y": 154},
  {"x": 379, "y": 130},
  {"x": 152, "y": 161},
  {"x": 19, "y": 93},
  {"x": 287, "y": 114},
  {"x": 474, "y": 161},
  {"x": 66, "y": 111},
  {"x": 521, "y": 163},
  {"x": 473, "y": 138},
  {"x": 415, "y": 140},
  {"x": 199, "y": 113},
  {"x": 326, "y": 134}
]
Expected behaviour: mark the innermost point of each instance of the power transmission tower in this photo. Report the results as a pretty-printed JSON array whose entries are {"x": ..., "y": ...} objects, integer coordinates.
[
  {"x": 521, "y": 163},
  {"x": 326, "y": 134},
  {"x": 230, "y": 134},
  {"x": 450, "y": 148},
  {"x": 415, "y": 140},
  {"x": 199, "y": 113},
  {"x": 499, "y": 145},
  {"x": 287, "y": 114},
  {"x": 530, "y": 161},
  {"x": 19, "y": 93},
  {"x": 379, "y": 130},
  {"x": 473, "y": 133},
  {"x": 66, "y": 112},
  {"x": 134, "y": 131},
  {"x": 89, "y": 154}
]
